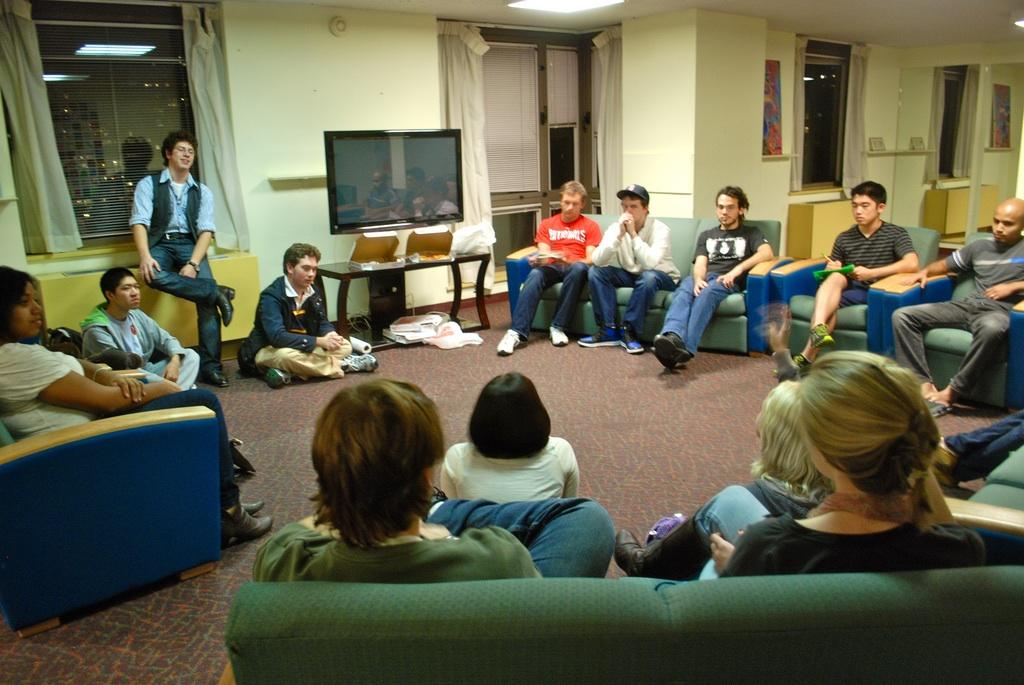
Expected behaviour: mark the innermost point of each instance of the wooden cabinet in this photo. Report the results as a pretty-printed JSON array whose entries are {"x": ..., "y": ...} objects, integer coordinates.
[
  {"x": 813, "y": 226},
  {"x": 945, "y": 209}
]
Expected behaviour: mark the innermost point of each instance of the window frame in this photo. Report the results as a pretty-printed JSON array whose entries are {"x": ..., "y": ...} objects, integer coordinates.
[
  {"x": 585, "y": 153},
  {"x": 821, "y": 52}
]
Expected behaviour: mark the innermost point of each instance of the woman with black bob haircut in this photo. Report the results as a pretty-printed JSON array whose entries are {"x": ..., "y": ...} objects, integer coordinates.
[{"x": 512, "y": 456}]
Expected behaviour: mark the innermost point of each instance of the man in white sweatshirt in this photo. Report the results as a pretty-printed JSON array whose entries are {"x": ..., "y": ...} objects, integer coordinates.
[{"x": 634, "y": 253}]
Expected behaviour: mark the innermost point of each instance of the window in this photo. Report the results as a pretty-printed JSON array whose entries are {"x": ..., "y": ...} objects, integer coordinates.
[
  {"x": 111, "y": 113},
  {"x": 825, "y": 76},
  {"x": 954, "y": 79},
  {"x": 537, "y": 135}
]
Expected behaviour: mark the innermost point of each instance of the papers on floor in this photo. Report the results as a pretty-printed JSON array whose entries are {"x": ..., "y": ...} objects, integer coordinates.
[{"x": 415, "y": 328}]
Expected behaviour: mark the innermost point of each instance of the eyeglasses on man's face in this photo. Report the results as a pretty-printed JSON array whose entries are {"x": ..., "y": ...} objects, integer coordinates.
[{"x": 184, "y": 150}]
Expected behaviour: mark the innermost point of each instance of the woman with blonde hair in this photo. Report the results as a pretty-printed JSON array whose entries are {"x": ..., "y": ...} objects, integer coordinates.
[
  {"x": 785, "y": 482},
  {"x": 869, "y": 431}
]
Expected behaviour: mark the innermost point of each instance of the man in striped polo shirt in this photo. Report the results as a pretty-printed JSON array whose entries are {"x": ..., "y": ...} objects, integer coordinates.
[
  {"x": 874, "y": 248},
  {"x": 998, "y": 267}
]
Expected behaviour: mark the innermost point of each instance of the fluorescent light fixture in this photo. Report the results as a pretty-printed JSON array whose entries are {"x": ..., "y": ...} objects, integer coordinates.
[
  {"x": 562, "y": 6},
  {"x": 65, "y": 77},
  {"x": 1019, "y": 22},
  {"x": 99, "y": 50},
  {"x": 381, "y": 234},
  {"x": 429, "y": 230}
]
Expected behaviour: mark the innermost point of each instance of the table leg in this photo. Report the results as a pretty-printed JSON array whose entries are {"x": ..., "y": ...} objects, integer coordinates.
[
  {"x": 456, "y": 292},
  {"x": 481, "y": 307},
  {"x": 342, "y": 325}
]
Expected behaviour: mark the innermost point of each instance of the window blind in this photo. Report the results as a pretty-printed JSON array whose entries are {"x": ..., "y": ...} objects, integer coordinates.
[
  {"x": 511, "y": 128},
  {"x": 111, "y": 113}
]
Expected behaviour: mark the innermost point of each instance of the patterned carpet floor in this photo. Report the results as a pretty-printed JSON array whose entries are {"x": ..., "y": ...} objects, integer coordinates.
[{"x": 649, "y": 443}]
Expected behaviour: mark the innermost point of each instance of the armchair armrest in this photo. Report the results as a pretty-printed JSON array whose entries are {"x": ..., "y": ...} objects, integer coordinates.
[
  {"x": 520, "y": 254},
  {"x": 894, "y": 284},
  {"x": 987, "y": 516},
  {"x": 763, "y": 268},
  {"x": 66, "y": 436},
  {"x": 798, "y": 265}
]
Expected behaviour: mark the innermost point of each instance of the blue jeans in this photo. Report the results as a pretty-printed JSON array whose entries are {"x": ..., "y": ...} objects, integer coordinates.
[
  {"x": 985, "y": 448},
  {"x": 566, "y": 537},
  {"x": 605, "y": 279},
  {"x": 571, "y": 276},
  {"x": 727, "y": 513},
  {"x": 690, "y": 314},
  {"x": 171, "y": 255},
  {"x": 204, "y": 398}
]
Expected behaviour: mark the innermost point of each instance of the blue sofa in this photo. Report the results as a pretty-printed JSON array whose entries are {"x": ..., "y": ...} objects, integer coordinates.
[
  {"x": 738, "y": 322},
  {"x": 91, "y": 511}
]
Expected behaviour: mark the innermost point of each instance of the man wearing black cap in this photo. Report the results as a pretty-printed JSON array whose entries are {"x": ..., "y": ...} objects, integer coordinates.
[
  {"x": 722, "y": 258},
  {"x": 634, "y": 253}
]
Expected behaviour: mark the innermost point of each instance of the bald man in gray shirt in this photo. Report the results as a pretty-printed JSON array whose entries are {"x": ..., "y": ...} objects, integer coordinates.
[{"x": 998, "y": 267}]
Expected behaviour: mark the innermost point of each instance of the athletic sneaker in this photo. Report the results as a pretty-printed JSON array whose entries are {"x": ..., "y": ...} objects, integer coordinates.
[
  {"x": 820, "y": 337},
  {"x": 277, "y": 378},
  {"x": 558, "y": 337},
  {"x": 509, "y": 343},
  {"x": 802, "y": 363},
  {"x": 670, "y": 350},
  {"x": 629, "y": 341},
  {"x": 355, "y": 363},
  {"x": 606, "y": 336}
]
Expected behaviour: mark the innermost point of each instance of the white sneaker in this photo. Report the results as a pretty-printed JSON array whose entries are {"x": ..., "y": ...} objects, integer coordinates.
[
  {"x": 359, "y": 362},
  {"x": 558, "y": 337},
  {"x": 509, "y": 343}
]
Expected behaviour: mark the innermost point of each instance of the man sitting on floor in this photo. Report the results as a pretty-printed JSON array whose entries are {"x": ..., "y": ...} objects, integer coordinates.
[
  {"x": 721, "y": 261},
  {"x": 374, "y": 448},
  {"x": 119, "y": 324},
  {"x": 998, "y": 267},
  {"x": 292, "y": 335},
  {"x": 873, "y": 248},
  {"x": 634, "y": 253},
  {"x": 565, "y": 244}
]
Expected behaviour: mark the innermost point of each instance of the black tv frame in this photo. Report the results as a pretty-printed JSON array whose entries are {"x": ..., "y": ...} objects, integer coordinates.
[{"x": 370, "y": 225}]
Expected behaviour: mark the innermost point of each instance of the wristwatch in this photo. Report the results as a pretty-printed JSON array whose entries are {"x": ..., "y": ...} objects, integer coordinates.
[{"x": 194, "y": 266}]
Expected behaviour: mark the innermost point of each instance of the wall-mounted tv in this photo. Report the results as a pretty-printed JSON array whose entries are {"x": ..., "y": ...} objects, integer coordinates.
[{"x": 379, "y": 180}]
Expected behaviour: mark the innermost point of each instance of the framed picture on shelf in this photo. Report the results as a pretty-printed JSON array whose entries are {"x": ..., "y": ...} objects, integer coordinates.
[
  {"x": 876, "y": 144},
  {"x": 917, "y": 143}
]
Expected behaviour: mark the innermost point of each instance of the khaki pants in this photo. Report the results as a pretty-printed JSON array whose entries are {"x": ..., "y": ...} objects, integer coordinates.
[{"x": 304, "y": 365}]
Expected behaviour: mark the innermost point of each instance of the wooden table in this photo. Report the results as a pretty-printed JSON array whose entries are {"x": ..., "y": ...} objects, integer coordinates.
[{"x": 387, "y": 291}]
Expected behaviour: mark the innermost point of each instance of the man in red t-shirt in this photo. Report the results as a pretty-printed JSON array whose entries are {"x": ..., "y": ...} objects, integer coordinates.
[{"x": 565, "y": 243}]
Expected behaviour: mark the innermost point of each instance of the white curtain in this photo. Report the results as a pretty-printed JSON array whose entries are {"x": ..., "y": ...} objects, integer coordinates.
[
  {"x": 460, "y": 56},
  {"x": 796, "y": 164},
  {"x": 854, "y": 157},
  {"x": 931, "y": 160},
  {"x": 609, "y": 114},
  {"x": 207, "y": 83},
  {"x": 48, "y": 221},
  {"x": 965, "y": 127}
]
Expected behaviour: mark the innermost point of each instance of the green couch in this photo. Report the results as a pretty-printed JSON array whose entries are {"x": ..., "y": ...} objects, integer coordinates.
[
  {"x": 736, "y": 326},
  {"x": 962, "y": 625}
]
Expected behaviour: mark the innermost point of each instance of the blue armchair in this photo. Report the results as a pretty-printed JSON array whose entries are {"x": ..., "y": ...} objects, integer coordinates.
[
  {"x": 859, "y": 327},
  {"x": 94, "y": 510}
]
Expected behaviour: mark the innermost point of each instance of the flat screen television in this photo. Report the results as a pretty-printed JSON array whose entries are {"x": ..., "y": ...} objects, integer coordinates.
[{"x": 380, "y": 180}]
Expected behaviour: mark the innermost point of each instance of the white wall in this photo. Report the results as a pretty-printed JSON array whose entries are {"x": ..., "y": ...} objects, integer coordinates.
[
  {"x": 290, "y": 80},
  {"x": 659, "y": 108}
]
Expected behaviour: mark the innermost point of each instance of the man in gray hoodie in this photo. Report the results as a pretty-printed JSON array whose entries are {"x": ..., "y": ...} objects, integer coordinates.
[{"x": 119, "y": 324}]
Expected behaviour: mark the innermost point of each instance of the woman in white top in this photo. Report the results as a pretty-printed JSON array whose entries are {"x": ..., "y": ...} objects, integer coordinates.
[{"x": 512, "y": 456}]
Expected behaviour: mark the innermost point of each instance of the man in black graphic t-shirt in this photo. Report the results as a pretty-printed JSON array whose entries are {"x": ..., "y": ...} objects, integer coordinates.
[{"x": 722, "y": 259}]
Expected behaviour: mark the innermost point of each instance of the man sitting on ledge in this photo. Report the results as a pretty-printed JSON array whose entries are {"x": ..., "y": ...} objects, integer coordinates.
[
  {"x": 374, "y": 449},
  {"x": 292, "y": 335}
]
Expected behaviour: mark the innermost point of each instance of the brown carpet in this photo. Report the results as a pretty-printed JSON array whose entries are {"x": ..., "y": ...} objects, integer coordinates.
[{"x": 648, "y": 442}]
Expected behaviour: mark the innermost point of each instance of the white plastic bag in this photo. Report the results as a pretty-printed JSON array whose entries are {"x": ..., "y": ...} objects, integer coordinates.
[
  {"x": 450, "y": 335},
  {"x": 473, "y": 239}
]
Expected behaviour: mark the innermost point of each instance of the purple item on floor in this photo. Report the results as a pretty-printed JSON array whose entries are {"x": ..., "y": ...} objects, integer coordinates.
[{"x": 662, "y": 527}]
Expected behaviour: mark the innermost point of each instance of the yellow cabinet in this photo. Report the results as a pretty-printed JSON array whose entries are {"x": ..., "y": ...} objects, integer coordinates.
[
  {"x": 945, "y": 209},
  {"x": 813, "y": 226}
]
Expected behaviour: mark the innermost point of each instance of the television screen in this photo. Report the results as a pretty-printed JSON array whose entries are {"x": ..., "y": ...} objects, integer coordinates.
[{"x": 379, "y": 180}]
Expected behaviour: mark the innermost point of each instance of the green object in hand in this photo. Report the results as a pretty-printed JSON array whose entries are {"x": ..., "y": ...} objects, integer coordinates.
[{"x": 824, "y": 273}]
